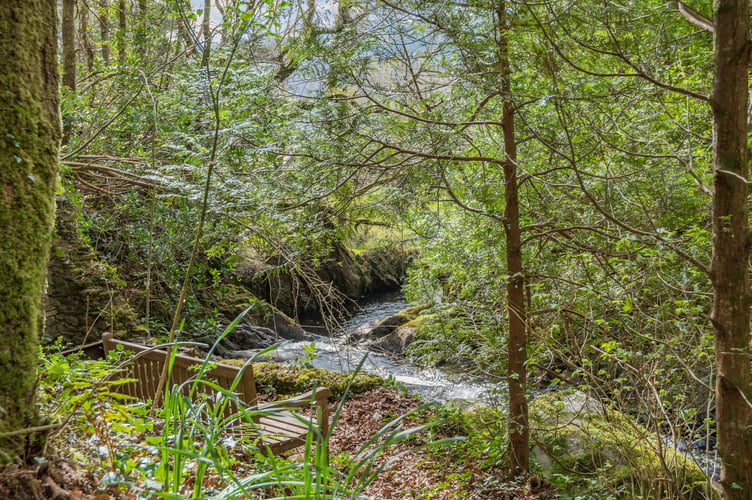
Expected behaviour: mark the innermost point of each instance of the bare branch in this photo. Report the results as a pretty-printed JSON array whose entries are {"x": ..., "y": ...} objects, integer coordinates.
[{"x": 697, "y": 18}]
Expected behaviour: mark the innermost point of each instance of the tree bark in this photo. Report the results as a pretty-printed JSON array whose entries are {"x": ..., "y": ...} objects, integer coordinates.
[
  {"x": 731, "y": 245},
  {"x": 69, "y": 44},
  {"x": 29, "y": 148},
  {"x": 68, "y": 39},
  {"x": 104, "y": 25},
  {"x": 122, "y": 36},
  {"x": 206, "y": 29},
  {"x": 519, "y": 434},
  {"x": 83, "y": 31}
]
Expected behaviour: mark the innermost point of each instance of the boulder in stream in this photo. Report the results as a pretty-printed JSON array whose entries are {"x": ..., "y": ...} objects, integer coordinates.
[
  {"x": 396, "y": 341},
  {"x": 576, "y": 439},
  {"x": 390, "y": 334},
  {"x": 244, "y": 337},
  {"x": 376, "y": 328}
]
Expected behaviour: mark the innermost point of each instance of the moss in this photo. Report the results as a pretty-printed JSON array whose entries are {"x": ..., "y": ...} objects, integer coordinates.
[
  {"x": 577, "y": 438},
  {"x": 475, "y": 418},
  {"x": 420, "y": 319},
  {"x": 29, "y": 156},
  {"x": 233, "y": 299},
  {"x": 275, "y": 378}
]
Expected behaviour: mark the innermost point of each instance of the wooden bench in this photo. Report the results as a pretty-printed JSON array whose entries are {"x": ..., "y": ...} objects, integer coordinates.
[{"x": 275, "y": 426}]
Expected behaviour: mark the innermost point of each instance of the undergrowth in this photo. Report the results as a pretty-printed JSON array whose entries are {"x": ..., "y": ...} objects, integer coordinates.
[{"x": 189, "y": 447}]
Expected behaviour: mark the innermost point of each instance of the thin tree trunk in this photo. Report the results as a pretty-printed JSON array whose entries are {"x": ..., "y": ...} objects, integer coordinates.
[
  {"x": 731, "y": 247},
  {"x": 184, "y": 30},
  {"x": 69, "y": 57},
  {"x": 29, "y": 156},
  {"x": 206, "y": 29},
  {"x": 122, "y": 31},
  {"x": 143, "y": 26},
  {"x": 69, "y": 44},
  {"x": 519, "y": 434},
  {"x": 104, "y": 24},
  {"x": 83, "y": 34}
]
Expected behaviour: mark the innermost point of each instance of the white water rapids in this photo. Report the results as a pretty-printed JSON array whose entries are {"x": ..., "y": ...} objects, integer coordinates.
[{"x": 334, "y": 354}]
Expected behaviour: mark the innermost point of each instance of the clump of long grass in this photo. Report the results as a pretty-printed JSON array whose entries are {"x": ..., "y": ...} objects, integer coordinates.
[
  {"x": 194, "y": 439},
  {"x": 192, "y": 447}
]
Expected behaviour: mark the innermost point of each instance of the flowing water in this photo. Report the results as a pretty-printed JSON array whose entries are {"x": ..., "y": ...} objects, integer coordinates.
[{"x": 334, "y": 354}]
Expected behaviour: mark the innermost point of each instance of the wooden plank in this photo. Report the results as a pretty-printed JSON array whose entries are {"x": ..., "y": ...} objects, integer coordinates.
[{"x": 281, "y": 432}]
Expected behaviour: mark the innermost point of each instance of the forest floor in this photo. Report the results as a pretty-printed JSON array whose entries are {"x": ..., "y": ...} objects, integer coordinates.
[
  {"x": 414, "y": 472},
  {"x": 418, "y": 472}
]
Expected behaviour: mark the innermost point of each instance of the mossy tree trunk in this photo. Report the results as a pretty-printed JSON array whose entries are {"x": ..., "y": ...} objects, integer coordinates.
[
  {"x": 731, "y": 246},
  {"x": 68, "y": 40},
  {"x": 29, "y": 147}
]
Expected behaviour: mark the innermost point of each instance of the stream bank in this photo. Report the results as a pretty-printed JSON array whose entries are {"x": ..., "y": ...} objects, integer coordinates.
[{"x": 332, "y": 352}]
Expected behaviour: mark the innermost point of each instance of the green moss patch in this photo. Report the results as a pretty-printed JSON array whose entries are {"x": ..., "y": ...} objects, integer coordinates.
[
  {"x": 577, "y": 440},
  {"x": 278, "y": 379}
]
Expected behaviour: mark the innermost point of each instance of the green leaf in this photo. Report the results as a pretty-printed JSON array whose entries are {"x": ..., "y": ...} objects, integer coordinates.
[{"x": 627, "y": 306}]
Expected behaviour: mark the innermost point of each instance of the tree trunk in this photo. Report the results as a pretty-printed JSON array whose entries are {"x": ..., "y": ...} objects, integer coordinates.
[
  {"x": 184, "y": 30},
  {"x": 83, "y": 33},
  {"x": 122, "y": 36},
  {"x": 731, "y": 244},
  {"x": 104, "y": 24},
  {"x": 206, "y": 29},
  {"x": 69, "y": 57},
  {"x": 143, "y": 27},
  {"x": 29, "y": 149},
  {"x": 519, "y": 434}
]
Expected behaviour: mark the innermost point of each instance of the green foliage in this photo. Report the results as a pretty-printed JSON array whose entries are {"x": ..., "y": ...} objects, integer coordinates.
[
  {"x": 98, "y": 425},
  {"x": 330, "y": 124},
  {"x": 191, "y": 448},
  {"x": 484, "y": 434}
]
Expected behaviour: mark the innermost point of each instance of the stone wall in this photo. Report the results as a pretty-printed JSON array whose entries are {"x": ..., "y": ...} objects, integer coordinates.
[{"x": 81, "y": 301}]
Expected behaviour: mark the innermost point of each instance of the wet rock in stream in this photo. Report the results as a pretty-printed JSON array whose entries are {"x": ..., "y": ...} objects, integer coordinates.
[
  {"x": 389, "y": 334},
  {"x": 244, "y": 337}
]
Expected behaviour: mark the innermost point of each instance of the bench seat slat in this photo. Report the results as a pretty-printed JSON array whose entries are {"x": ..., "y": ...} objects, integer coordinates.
[{"x": 279, "y": 431}]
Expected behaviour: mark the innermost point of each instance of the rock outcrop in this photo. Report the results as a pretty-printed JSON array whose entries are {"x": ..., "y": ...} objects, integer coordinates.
[{"x": 342, "y": 275}]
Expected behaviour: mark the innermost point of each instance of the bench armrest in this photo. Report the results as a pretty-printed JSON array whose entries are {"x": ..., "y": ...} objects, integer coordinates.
[{"x": 319, "y": 396}]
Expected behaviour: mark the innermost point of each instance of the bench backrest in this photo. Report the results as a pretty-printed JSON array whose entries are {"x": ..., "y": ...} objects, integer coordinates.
[{"x": 146, "y": 369}]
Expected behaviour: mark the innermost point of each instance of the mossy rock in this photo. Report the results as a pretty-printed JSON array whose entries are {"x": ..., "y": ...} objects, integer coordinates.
[
  {"x": 287, "y": 380},
  {"x": 419, "y": 320},
  {"x": 232, "y": 299},
  {"x": 577, "y": 438},
  {"x": 476, "y": 417}
]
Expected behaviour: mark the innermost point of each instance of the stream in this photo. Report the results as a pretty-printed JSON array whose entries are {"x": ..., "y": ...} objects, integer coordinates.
[{"x": 331, "y": 352}]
